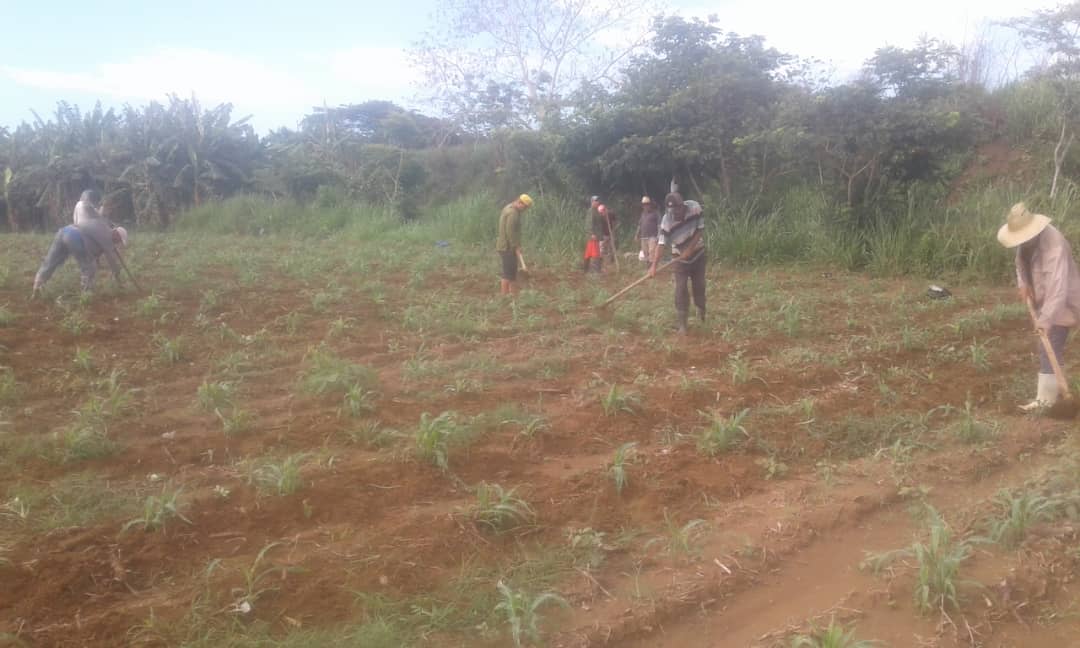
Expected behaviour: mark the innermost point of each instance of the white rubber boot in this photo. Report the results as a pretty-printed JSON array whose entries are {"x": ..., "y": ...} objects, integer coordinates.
[{"x": 1046, "y": 395}]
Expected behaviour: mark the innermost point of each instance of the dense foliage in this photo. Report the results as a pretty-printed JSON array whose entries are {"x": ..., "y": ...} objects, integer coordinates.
[{"x": 740, "y": 124}]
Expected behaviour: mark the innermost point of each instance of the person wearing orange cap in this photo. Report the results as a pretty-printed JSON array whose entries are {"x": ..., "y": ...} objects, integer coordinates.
[
  {"x": 599, "y": 244},
  {"x": 508, "y": 242}
]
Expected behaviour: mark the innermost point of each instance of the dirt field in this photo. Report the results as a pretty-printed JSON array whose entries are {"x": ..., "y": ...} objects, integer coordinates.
[{"x": 251, "y": 456}]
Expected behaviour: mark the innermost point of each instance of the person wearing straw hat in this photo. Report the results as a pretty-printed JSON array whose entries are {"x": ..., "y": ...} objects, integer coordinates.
[
  {"x": 648, "y": 229},
  {"x": 508, "y": 242},
  {"x": 1046, "y": 273}
]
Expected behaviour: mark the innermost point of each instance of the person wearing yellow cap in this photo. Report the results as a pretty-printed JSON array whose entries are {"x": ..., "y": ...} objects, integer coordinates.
[
  {"x": 1046, "y": 274},
  {"x": 508, "y": 242}
]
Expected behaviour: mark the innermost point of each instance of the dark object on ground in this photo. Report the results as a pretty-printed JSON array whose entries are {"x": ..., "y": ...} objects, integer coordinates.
[{"x": 937, "y": 292}]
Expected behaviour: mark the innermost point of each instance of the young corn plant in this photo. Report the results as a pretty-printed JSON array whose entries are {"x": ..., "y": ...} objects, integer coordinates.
[
  {"x": 616, "y": 401},
  {"x": 214, "y": 396},
  {"x": 722, "y": 433},
  {"x": 741, "y": 370},
  {"x": 9, "y": 387},
  {"x": 158, "y": 510},
  {"x": 939, "y": 560},
  {"x": 680, "y": 540},
  {"x": 522, "y": 612},
  {"x": 7, "y": 318},
  {"x": 280, "y": 477},
  {"x": 235, "y": 421},
  {"x": 150, "y": 306},
  {"x": 435, "y": 436},
  {"x": 328, "y": 373},
  {"x": 75, "y": 322},
  {"x": 358, "y": 402},
  {"x": 624, "y": 455},
  {"x": 500, "y": 510},
  {"x": 169, "y": 351},
  {"x": 834, "y": 635},
  {"x": 256, "y": 579},
  {"x": 83, "y": 359},
  {"x": 1017, "y": 513}
]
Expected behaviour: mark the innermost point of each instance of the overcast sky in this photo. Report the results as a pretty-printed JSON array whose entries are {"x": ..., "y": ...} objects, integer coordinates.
[{"x": 275, "y": 60}]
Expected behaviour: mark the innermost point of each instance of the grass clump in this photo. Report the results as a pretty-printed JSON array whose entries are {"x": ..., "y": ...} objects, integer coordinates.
[
  {"x": 158, "y": 510},
  {"x": 279, "y": 476},
  {"x": 436, "y": 436},
  {"x": 616, "y": 401},
  {"x": 722, "y": 433},
  {"x": 834, "y": 635},
  {"x": 328, "y": 373},
  {"x": 521, "y": 612},
  {"x": 624, "y": 455},
  {"x": 500, "y": 510}
]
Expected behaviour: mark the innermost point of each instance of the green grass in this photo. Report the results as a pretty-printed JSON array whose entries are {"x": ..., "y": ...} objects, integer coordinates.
[
  {"x": 498, "y": 509},
  {"x": 158, "y": 510},
  {"x": 522, "y": 612},
  {"x": 1017, "y": 513},
  {"x": 328, "y": 373},
  {"x": 435, "y": 437},
  {"x": 279, "y": 477},
  {"x": 834, "y": 635},
  {"x": 619, "y": 470},
  {"x": 615, "y": 401},
  {"x": 722, "y": 433}
]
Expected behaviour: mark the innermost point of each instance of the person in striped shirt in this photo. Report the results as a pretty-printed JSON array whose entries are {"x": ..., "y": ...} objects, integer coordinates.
[{"x": 683, "y": 228}]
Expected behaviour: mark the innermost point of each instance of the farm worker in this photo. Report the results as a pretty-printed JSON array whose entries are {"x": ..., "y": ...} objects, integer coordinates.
[
  {"x": 648, "y": 228},
  {"x": 599, "y": 243},
  {"x": 87, "y": 241},
  {"x": 89, "y": 206},
  {"x": 1046, "y": 274},
  {"x": 683, "y": 227},
  {"x": 508, "y": 242}
]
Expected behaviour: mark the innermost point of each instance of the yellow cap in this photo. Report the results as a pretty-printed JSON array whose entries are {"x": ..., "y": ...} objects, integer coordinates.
[{"x": 525, "y": 199}]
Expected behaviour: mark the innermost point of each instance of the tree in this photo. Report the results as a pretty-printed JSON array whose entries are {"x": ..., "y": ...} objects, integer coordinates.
[
  {"x": 541, "y": 48},
  {"x": 1057, "y": 32}
]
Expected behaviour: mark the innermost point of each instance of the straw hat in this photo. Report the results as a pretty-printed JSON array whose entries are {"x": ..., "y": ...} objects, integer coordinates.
[
  {"x": 1021, "y": 226},
  {"x": 526, "y": 200}
]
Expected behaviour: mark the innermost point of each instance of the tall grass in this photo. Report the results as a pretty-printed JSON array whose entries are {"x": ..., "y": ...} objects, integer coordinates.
[{"x": 928, "y": 236}]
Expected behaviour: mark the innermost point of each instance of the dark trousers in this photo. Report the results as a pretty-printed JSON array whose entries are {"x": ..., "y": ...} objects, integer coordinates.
[
  {"x": 694, "y": 272},
  {"x": 1057, "y": 336}
]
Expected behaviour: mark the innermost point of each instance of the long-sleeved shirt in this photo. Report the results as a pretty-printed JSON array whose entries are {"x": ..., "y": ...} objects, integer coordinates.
[
  {"x": 509, "y": 238},
  {"x": 1054, "y": 280},
  {"x": 679, "y": 233},
  {"x": 97, "y": 237}
]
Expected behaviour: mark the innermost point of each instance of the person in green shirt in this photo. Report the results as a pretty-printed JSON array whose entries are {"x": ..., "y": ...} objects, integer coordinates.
[{"x": 508, "y": 243}]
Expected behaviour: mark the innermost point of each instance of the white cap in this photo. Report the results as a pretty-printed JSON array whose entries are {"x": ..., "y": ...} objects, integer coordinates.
[{"x": 645, "y": 200}]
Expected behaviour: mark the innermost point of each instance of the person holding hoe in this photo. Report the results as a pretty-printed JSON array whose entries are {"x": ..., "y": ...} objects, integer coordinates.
[
  {"x": 86, "y": 241},
  {"x": 508, "y": 242},
  {"x": 1049, "y": 282},
  {"x": 683, "y": 227}
]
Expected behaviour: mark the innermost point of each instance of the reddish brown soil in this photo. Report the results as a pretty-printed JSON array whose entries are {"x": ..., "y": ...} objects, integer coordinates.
[{"x": 777, "y": 553}]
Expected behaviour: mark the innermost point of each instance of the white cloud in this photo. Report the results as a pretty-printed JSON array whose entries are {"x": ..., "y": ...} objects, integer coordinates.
[
  {"x": 847, "y": 32},
  {"x": 211, "y": 75},
  {"x": 274, "y": 93}
]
